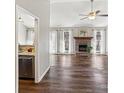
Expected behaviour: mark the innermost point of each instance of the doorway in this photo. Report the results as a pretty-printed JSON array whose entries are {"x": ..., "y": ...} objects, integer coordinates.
[{"x": 27, "y": 27}]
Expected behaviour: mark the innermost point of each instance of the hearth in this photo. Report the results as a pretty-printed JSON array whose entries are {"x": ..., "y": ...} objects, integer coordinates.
[{"x": 82, "y": 48}]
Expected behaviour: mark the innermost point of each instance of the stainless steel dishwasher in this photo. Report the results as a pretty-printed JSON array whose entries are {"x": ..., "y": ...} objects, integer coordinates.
[{"x": 26, "y": 66}]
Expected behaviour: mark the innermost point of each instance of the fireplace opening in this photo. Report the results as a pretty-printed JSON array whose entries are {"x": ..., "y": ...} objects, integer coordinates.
[{"x": 82, "y": 48}]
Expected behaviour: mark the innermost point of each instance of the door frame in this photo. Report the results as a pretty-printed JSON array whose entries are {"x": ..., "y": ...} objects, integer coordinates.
[{"x": 35, "y": 43}]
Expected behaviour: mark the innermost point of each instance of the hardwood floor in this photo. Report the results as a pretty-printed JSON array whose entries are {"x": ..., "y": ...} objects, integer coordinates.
[{"x": 71, "y": 74}]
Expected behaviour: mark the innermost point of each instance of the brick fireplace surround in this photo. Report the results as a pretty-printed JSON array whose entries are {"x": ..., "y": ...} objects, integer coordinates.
[{"x": 81, "y": 44}]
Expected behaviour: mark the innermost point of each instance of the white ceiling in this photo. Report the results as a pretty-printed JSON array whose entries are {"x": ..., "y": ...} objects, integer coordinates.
[
  {"x": 66, "y": 13},
  {"x": 60, "y": 1}
]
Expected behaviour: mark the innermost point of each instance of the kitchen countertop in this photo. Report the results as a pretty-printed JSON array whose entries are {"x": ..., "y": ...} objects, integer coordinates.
[{"x": 26, "y": 53}]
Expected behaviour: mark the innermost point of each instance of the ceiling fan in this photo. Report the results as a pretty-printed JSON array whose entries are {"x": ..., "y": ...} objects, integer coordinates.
[{"x": 93, "y": 13}]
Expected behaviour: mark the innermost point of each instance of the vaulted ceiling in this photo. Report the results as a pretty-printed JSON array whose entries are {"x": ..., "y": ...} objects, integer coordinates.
[
  {"x": 28, "y": 20},
  {"x": 66, "y": 13}
]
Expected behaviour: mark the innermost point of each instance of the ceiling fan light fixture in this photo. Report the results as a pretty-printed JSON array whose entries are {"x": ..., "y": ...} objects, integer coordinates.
[
  {"x": 92, "y": 17},
  {"x": 93, "y": 13}
]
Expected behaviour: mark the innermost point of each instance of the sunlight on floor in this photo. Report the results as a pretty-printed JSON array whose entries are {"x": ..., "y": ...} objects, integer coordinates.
[
  {"x": 66, "y": 61},
  {"x": 97, "y": 62}
]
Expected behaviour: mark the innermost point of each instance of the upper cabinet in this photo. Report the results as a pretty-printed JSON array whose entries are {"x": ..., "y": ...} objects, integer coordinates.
[{"x": 25, "y": 27}]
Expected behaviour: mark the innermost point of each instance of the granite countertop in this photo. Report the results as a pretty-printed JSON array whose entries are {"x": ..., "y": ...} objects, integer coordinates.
[{"x": 27, "y": 53}]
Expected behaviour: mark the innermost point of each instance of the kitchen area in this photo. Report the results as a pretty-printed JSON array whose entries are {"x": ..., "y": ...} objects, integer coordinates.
[
  {"x": 26, "y": 61},
  {"x": 27, "y": 41}
]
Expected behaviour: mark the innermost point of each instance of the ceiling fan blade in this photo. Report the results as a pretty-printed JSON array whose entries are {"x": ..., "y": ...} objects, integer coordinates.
[
  {"x": 104, "y": 15},
  {"x": 98, "y": 11},
  {"x": 82, "y": 15},
  {"x": 84, "y": 18}
]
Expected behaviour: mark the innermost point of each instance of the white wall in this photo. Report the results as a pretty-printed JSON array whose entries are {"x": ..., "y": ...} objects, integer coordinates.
[
  {"x": 40, "y": 8},
  {"x": 107, "y": 40},
  {"x": 21, "y": 33},
  {"x": 91, "y": 31},
  {"x": 30, "y": 36}
]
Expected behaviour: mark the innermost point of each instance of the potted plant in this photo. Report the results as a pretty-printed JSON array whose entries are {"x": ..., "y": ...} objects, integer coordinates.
[{"x": 89, "y": 48}]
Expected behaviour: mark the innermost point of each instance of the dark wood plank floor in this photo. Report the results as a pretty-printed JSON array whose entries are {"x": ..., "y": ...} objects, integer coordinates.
[{"x": 71, "y": 74}]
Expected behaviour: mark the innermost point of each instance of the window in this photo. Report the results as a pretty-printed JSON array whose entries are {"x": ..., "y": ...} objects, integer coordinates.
[
  {"x": 66, "y": 41},
  {"x": 98, "y": 46},
  {"x": 61, "y": 42},
  {"x": 53, "y": 42},
  {"x": 98, "y": 38}
]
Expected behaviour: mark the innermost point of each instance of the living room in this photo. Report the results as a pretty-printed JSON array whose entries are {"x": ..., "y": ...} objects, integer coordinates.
[
  {"x": 77, "y": 39},
  {"x": 79, "y": 62}
]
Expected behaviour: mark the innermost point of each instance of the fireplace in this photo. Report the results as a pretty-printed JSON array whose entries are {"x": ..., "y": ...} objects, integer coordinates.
[
  {"x": 81, "y": 44},
  {"x": 82, "y": 48}
]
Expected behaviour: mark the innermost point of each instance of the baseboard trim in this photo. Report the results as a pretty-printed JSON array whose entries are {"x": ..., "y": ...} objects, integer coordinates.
[{"x": 43, "y": 74}]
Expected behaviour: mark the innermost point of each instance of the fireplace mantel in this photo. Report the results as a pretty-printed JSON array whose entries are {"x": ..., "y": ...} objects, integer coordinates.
[{"x": 88, "y": 38}]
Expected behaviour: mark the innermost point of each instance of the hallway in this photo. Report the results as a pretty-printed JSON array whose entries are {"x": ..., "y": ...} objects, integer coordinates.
[{"x": 71, "y": 74}]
